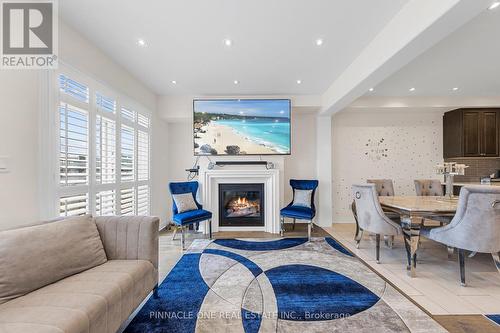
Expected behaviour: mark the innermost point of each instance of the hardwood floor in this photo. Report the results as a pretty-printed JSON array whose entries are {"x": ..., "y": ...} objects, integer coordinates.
[{"x": 467, "y": 324}]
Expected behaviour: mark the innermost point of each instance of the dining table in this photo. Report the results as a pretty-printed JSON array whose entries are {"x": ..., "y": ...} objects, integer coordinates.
[{"x": 413, "y": 210}]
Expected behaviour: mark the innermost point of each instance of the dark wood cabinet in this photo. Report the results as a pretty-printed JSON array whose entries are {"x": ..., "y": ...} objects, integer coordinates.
[{"x": 471, "y": 133}]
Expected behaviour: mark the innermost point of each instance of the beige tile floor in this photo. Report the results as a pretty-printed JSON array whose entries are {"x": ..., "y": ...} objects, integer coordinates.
[{"x": 436, "y": 286}]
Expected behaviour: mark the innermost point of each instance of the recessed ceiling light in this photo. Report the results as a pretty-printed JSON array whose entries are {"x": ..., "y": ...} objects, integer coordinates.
[
  {"x": 299, "y": 81},
  {"x": 412, "y": 89},
  {"x": 494, "y": 5},
  {"x": 141, "y": 42},
  {"x": 371, "y": 89},
  {"x": 228, "y": 42},
  {"x": 236, "y": 81},
  {"x": 319, "y": 42},
  {"x": 174, "y": 82},
  {"x": 455, "y": 89}
]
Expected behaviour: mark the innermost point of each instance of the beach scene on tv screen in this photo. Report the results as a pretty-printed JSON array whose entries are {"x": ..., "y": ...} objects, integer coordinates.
[{"x": 241, "y": 127}]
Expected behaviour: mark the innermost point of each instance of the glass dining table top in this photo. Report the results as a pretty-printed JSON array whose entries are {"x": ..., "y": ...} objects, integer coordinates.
[{"x": 420, "y": 204}]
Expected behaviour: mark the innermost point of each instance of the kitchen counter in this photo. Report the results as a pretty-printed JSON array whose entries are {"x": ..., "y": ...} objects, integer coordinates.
[{"x": 473, "y": 183}]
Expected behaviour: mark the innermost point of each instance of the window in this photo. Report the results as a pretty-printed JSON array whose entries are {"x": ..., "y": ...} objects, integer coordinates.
[
  {"x": 74, "y": 205},
  {"x": 104, "y": 155},
  {"x": 105, "y": 151},
  {"x": 143, "y": 155},
  {"x": 74, "y": 145},
  {"x": 127, "y": 202},
  {"x": 105, "y": 203},
  {"x": 127, "y": 154}
]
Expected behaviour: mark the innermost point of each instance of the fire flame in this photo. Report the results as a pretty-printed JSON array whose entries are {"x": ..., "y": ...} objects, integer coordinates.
[{"x": 242, "y": 201}]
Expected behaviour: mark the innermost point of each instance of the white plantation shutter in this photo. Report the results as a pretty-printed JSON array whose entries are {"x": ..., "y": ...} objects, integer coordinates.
[
  {"x": 143, "y": 120},
  {"x": 74, "y": 205},
  {"x": 105, "y": 150},
  {"x": 142, "y": 155},
  {"x": 105, "y": 203},
  {"x": 74, "y": 89},
  {"x": 105, "y": 104},
  {"x": 127, "y": 201},
  {"x": 143, "y": 200},
  {"x": 73, "y": 145},
  {"x": 128, "y": 114},
  {"x": 127, "y": 154}
]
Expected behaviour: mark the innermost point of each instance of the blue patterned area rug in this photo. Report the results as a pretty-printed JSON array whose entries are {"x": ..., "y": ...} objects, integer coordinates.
[{"x": 280, "y": 285}]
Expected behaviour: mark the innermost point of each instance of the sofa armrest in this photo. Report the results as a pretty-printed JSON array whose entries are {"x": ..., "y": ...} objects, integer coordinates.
[{"x": 130, "y": 237}]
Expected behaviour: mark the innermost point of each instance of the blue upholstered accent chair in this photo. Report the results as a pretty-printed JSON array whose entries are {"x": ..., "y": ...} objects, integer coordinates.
[
  {"x": 181, "y": 220},
  {"x": 299, "y": 212}
]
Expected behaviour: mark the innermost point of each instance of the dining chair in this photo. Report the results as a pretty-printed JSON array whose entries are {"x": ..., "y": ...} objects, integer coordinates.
[
  {"x": 186, "y": 218},
  {"x": 384, "y": 187},
  {"x": 371, "y": 217},
  {"x": 475, "y": 227},
  {"x": 428, "y": 187},
  {"x": 300, "y": 209}
]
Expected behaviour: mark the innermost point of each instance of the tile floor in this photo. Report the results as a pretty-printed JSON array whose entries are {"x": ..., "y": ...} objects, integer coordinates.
[{"x": 437, "y": 286}]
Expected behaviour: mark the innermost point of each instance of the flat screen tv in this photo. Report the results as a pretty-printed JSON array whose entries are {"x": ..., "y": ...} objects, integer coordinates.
[{"x": 241, "y": 126}]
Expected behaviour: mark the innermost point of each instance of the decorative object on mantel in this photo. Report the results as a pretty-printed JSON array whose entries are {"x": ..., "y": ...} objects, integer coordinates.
[{"x": 449, "y": 170}]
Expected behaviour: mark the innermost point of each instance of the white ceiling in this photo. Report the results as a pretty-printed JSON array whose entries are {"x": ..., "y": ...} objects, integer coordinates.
[
  {"x": 468, "y": 59},
  {"x": 273, "y": 41}
]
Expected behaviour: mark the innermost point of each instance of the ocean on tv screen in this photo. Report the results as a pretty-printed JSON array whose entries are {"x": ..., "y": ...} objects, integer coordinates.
[{"x": 241, "y": 127}]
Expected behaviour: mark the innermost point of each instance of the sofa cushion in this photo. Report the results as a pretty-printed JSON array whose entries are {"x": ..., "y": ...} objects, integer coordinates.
[
  {"x": 36, "y": 256},
  {"x": 98, "y": 300}
]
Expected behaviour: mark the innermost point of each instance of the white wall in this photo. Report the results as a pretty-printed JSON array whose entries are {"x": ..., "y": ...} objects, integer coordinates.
[
  {"x": 19, "y": 104},
  {"x": 411, "y": 139},
  {"x": 19, "y": 127}
]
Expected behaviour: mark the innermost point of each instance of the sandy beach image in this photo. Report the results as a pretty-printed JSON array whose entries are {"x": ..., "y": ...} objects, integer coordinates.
[
  {"x": 219, "y": 137},
  {"x": 240, "y": 127}
]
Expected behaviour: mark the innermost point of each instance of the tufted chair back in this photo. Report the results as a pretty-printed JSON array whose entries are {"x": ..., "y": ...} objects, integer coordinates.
[
  {"x": 476, "y": 225},
  {"x": 429, "y": 187},
  {"x": 369, "y": 212},
  {"x": 384, "y": 187}
]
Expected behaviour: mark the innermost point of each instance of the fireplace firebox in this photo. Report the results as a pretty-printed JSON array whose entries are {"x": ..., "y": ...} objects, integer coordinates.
[{"x": 241, "y": 205}]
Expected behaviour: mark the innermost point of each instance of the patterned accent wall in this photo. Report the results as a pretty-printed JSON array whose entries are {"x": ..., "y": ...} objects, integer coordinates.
[{"x": 401, "y": 145}]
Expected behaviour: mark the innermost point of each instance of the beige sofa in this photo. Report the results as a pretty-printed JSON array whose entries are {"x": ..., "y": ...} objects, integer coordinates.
[{"x": 80, "y": 275}]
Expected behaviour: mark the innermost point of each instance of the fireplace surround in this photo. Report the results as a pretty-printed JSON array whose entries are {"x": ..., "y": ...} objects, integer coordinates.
[
  {"x": 241, "y": 205},
  {"x": 212, "y": 178}
]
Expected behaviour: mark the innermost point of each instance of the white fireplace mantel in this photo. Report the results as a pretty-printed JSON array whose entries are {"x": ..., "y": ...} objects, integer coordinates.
[{"x": 269, "y": 177}]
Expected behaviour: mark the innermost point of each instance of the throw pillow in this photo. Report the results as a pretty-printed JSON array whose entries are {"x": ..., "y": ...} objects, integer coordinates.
[
  {"x": 185, "y": 202},
  {"x": 302, "y": 198},
  {"x": 33, "y": 257}
]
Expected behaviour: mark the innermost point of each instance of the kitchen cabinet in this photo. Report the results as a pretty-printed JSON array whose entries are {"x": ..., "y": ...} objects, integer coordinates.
[{"x": 471, "y": 133}]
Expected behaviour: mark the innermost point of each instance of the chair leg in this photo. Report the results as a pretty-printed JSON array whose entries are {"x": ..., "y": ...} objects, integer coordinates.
[
  {"x": 472, "y": 254},
  {"x": 461, "y": 259},
  {"x": 282, "y": 226},
  {"x": 293, "y": 227},
  {"x": 182, "y": 238},
  {"x": 377, "y": 247},
  {"x": 496, "y": 260},
  {"x": 309, "y": 230},
  {"x": 175, "y": 232},
  {"x": 359, "y": 235},
  {"x": 389, "y": 241},
  {"x": 210, "y": 229},
  {"x": 451, "y": 252}
]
